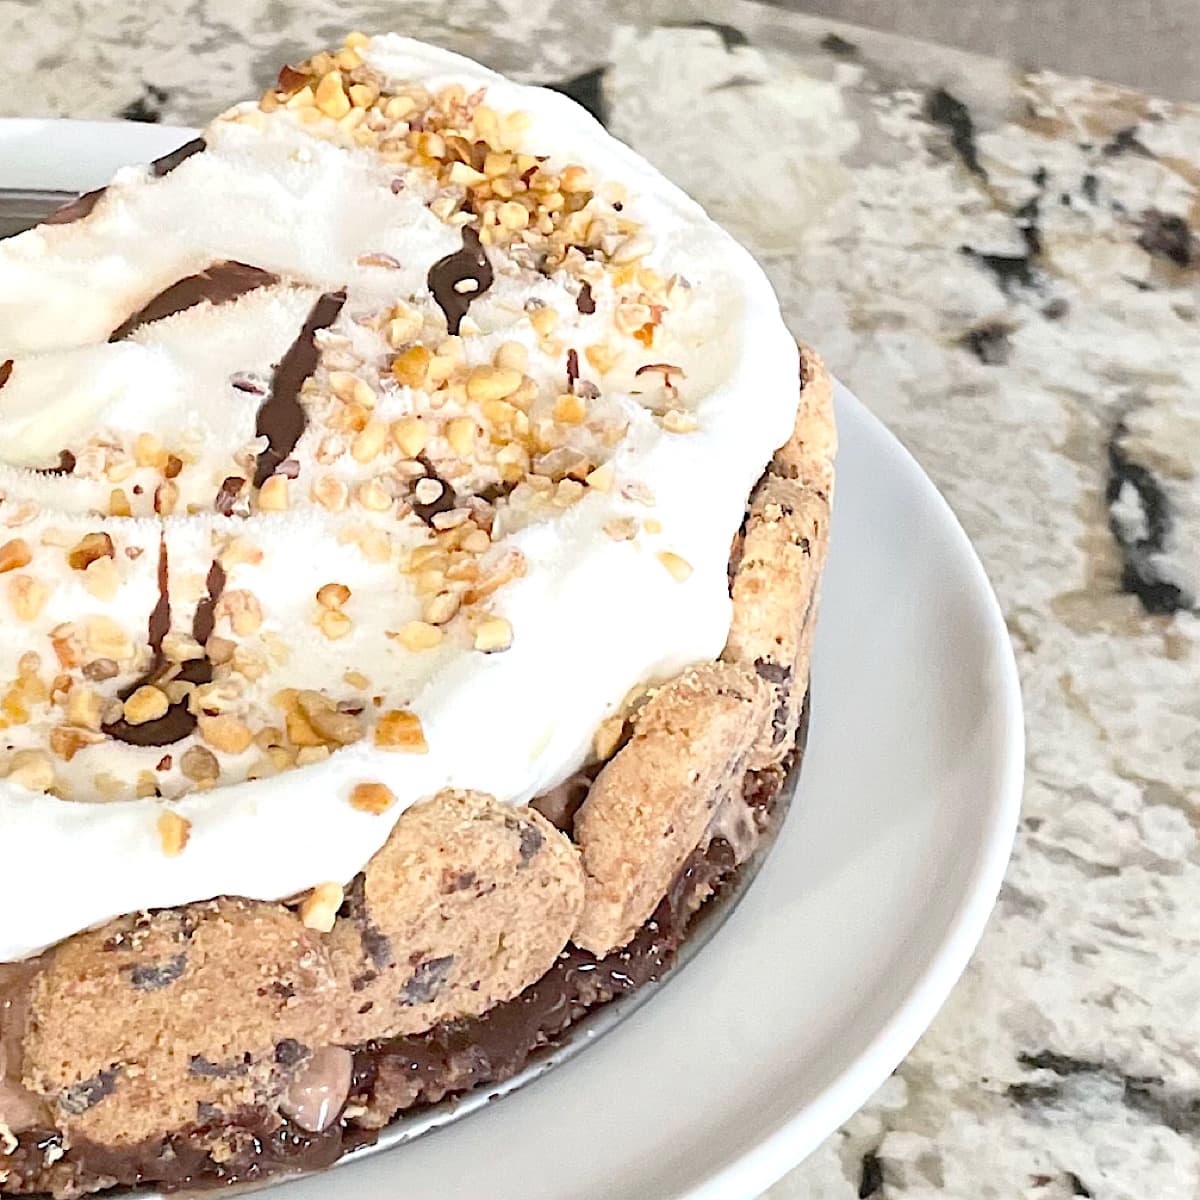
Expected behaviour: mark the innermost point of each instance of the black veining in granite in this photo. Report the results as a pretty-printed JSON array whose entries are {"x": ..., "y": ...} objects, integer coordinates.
[
  {"x": 1141, "y": 573},
  {"x": 148, "y": 107},
  {"x": 989, "y": 342},
  {"x": 870, "y": 1182},
  {"x": 950, "y": 113},
  {"x": 586, "y": 89},
  {"x": 730, "y": 36},
  {"x": 1165, "y": 235}
]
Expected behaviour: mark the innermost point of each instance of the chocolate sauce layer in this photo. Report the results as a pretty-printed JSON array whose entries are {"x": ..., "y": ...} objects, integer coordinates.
[{"x": 407, "y": 1073}]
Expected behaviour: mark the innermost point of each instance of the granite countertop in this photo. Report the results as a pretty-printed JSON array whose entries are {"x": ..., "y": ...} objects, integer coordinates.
[{"x": 1007, "y": 269}]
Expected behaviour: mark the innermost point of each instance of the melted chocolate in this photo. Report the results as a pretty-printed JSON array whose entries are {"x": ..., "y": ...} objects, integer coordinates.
[
  {"x": 165, "y": 165},
  {"x": 463, "y": 267},
  {"x": 66, "y": 465},
  {"x": 443, "y": 503},
  {"x": 282, "y": 419},
  {"x": 78, "y": 209},
  {"x": 218, "y": 283},
  {"x": 177, "y": 722},
  {"x": 205, "y": 618},
  {"x": 407, "y": 1072}
]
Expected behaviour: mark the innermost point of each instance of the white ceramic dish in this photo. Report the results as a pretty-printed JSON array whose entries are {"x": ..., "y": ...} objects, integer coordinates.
[{"x": 862, "y": 918}]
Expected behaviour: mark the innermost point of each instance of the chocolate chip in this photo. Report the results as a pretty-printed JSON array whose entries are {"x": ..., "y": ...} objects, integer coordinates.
[
  {"x": 776, "y": 673},
  {"x": 6, "y": 369},
  {"x": 80, "y": 1097},
  {"x": 426, "y": 981},
  {"x": 205, "y": 1068},
  {"x": 584, "y": 301},
  {"x": 445, "y": 499},
  {"x": 572, "y": 369},
  {"x": 289, "y": 1052},
  {"x": 532, "y": 840},
  {"x": 153, "y": 977}
]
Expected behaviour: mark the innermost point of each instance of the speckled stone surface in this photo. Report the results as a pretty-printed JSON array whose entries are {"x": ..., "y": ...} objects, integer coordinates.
[{"x": 1007, "y": 269}]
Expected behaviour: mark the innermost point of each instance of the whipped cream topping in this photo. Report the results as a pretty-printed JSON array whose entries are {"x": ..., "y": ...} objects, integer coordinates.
[{"x": 280, "y": 552}]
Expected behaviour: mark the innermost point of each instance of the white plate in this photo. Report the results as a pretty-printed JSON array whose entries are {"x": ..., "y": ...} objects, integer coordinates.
[{"x": 860, "y": 922}]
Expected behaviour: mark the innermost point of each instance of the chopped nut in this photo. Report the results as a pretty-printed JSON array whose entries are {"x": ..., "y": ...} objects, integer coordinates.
[
  {"x": 85, "y": 707},
  {"x": 166, "y": 497},
  {"x": 441, "y": 608},
  {"x": 330, "y": 97},
  {"x": 219, "y": 650},
  {"x": 356, "y": 679},
  {"x": 492, "y": 383},
  {"x": 320, "y": 907},
  {"x": 675, "y": 421},
  {"x": 334, "y": 624},
  {"x": 273, "y": 495},
  {"x": 148, "y": 451},
  {"x": 332, "y": 595},
  {"x": 200, "y": 765},
  {"x": 680, "y": 568},
  {"x": 15, "y": 554},
  {"x": 178, "y": 647},
  {"x": 243, "y": 611},
  {"x": 372, "y": 797},
  {"x": 311, "y": 754},
  {"x": 419, "y": 635},
  {"x": 32, "y": 769},
  {"x": 411, "y": 435},
  {"x": 225, "y": 733},
  {"x": 411, "y": 367},
  {"x": 173, "y": 833},
  {"x": 460, "y": 433},
  {"x": 601, "y": 479},
  {"x": 106, "y": 639},
  {"x": 621, "y": 529},
  {"x": 330, "y": 493},
  {"x": 27, "y": 596},
  {"x": 400, "y": 729},
  {"x": 368, "y": 444},
  {"x": 607, "y": 737},
  {"x": 373, "y": 496},
  {"x": 146, "y": 704},
  {"x": 300, "y": 732},
  {"x": 100, "y": 669},
  {"x": 570, "y": 409},
  {"x": 66, "y": 740},
  {"x": 493, "y": 634},
  {"x": 91, "y": 547},
  {"x": 102, "y": 579}
]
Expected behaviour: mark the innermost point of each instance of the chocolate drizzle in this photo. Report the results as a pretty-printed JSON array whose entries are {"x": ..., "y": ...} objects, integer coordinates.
[
  {"x": 178, "y": 721},
  {"x": 281, "y": 419},
  {"x": 443, "y": 503},
  {"x": 78, "y": 209},
  {"x": 205, "y": 618},
  {"x": 66, "y": 465},
  {"x": 218, "y": 283},
  {"x": 165, "y": 165},
  {"x": 450, "y": 279}
]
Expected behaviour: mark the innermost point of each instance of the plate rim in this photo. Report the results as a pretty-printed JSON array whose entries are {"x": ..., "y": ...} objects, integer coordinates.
[{"x": 762, "y": 1161}]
